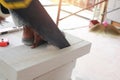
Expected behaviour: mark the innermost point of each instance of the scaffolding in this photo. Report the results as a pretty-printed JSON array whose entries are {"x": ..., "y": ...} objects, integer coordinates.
[{"x": 96, "y": 4}]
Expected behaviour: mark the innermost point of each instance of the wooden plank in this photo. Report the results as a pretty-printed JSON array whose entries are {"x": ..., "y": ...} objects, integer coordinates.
[{"x": 115, "y": 23}]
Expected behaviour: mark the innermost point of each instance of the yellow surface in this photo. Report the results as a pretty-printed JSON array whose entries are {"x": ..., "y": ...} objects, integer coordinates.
[{"x": 16, "y": 5}]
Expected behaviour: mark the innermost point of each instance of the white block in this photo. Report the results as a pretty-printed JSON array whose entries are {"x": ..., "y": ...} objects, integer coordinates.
[
  {"x": 60, "y": 73},
  {"x": 2, "y": 77},
  {"x": 23, "y": 63}
]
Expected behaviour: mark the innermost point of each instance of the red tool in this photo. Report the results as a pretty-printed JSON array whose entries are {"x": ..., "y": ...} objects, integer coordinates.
[{"x": 4, "y": 42}]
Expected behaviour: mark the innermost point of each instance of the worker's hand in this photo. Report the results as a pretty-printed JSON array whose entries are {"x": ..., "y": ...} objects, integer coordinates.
[
  {"x": 1, "y": 19},
  {"x": 38, "y": 40}
]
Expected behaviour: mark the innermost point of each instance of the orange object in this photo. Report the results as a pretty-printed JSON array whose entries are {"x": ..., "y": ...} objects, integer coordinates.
[
  {"x": 4, "y": 43},
  {"x": 93, "y": 22}
]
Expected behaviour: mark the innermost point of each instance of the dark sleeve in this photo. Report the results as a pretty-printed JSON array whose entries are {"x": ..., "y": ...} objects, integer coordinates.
[{"x": 3, "y": 9}]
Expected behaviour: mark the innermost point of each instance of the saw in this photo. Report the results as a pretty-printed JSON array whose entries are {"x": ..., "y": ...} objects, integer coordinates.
[{"x": 32, "y": 12}]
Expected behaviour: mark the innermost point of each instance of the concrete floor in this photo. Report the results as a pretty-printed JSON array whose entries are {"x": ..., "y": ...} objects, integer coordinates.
[{"x": 102, "y": 63}]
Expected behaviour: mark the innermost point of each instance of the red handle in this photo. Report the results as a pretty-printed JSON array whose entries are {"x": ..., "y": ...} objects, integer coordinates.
[{"x": 4, "y": 43}]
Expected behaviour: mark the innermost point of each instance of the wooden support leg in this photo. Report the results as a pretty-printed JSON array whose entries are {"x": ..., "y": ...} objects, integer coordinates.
[{"x": 59, "y": 10}]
